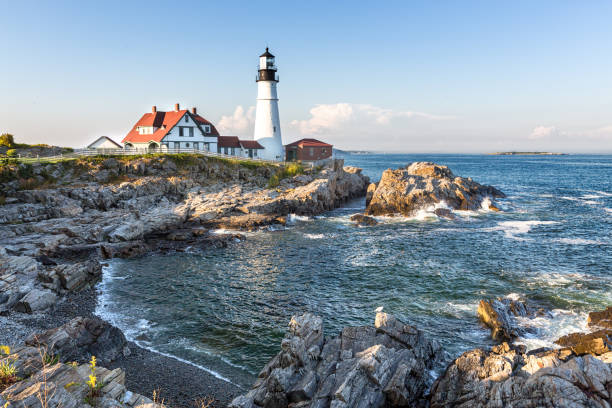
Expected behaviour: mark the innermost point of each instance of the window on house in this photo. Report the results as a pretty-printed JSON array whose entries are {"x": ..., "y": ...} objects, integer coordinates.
[
  {"x": 274, "y": 129},
  {"x": 311, "y": 151},
  {"x": 186, "y": 144},
  {"x": 186, "y": 118},
  {"x": 233, "y": 151},
  {"x": 254, "y": 152},
  {"x": 206, "y": 129},
  {"x": 181, "y": 131},
  {"x": 177, "y": 145},
  {"x": 191, "y": 132},
  {"x": 196, "y": 145},
  {"x": 218, "y": 149}
]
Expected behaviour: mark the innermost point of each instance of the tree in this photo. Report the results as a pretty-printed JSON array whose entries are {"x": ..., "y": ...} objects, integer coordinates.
[{"x": 6, "y": 139}]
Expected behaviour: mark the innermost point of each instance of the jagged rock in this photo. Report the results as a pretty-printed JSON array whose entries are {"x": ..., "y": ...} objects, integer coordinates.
[
  {"x": 500, "y": 316},
  {"x": 424, "y": 184},
  {"x": 64, "y": 386},
  {"x": 81, "y": 338},
  {"x": 598, "y": 342},
  {"x": 383, "y": 366},
  {"x": 444, "y": 213},
  {"x": 601, "y": 318},
  {"x": 361, "y": 219},
  {"x": 79, "y": 275},
  {"x": 36, "y": 300},
  {"x": 507, "y": 377}
]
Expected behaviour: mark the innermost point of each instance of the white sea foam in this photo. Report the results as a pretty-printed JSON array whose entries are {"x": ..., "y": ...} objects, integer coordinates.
[
  {"x": 547, "y": 329},
  {"x": 608, "y": 210},
  {"x": 582, "y": 200},
  {"x": 579, "y": 241},
  {"x": 314, "y": 236},
  {"x": 292, "y": 218},
  {"x": 513, "y": 228},
  {"x": 513, "y": 296}
]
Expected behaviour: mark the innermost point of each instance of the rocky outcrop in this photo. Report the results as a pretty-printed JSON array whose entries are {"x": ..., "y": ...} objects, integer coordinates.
[
  {"x": 363, "y": 220},
  {"x": 81, "y": 338},
  {"x": 601, "y": 318},
  {"x": 53, "y": 384},
  {"x": 500, "y": 315},
  {"x": 422, "y": 185},
  {"x": 382, "y": 366},
  {"x": 51, "y": 240},
  {"x": 596, "y": 343},
  {"x": 508, "y": 377}
]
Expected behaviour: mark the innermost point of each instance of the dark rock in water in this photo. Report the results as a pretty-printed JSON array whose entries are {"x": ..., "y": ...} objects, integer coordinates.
[
  {"x": 444, "y": 213},
  {"x": 361, "y": 219},
  {"x": 82, "y": 338},
  {"x": 383, "y": 366},
  {"x": 601, "y": 319},
  {"x": 421, "y": 185},
  {"x": 596, "y": 343},
  {"x": 500, "y": 316},
  {"x": 507, "y": 377}
]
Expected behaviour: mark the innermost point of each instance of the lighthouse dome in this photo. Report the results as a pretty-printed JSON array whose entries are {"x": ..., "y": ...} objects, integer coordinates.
[{"x": 267, "y": 54}]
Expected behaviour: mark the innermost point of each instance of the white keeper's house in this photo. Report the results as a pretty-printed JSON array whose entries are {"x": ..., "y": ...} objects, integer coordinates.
[
  {"x": 175, "y": 129},
  {"x": 186, "y": 130}
]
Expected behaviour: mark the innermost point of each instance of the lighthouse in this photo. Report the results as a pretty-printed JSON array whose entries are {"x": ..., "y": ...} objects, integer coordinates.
[{"x": 267, "y": 121}]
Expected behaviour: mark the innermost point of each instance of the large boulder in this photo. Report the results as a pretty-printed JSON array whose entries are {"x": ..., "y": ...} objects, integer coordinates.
[
  {"x": 81, "y": 338},
  {"x": 423, "y": 184},
  {"x": 501, "y": 314},
  {"x": 508, "y": 377},
  {"x": 36, "y": 300},
  {"x": 386, "y": 365},
  {"x": 596, "y": 343},
  {"x": 601, "y": 318}
]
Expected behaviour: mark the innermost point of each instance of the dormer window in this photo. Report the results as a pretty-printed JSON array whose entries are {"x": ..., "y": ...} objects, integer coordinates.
[
  {"x": 186, "y": 118},
  {"x": 206, "y": 129}
]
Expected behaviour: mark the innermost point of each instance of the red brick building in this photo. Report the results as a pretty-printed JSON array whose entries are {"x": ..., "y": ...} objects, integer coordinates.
[{"x": 308, "y": 150}]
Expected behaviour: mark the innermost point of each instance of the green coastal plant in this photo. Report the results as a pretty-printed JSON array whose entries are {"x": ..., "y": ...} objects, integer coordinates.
[
  {"x": 290, "y": 170},
  {"x": 11, "y": 153},
  {"x": 8, "y": 370},
  {"x": 93, "y": 384}
]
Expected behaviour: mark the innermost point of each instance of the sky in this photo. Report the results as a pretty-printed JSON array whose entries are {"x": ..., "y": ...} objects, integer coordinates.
[{"x": 405, "y": 76}]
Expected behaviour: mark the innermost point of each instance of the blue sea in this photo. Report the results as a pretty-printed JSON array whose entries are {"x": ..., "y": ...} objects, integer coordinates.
[{"x": 226, "y": 310}]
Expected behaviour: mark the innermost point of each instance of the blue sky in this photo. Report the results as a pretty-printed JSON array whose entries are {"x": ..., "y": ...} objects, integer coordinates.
[{"x": 444, "y": 76}]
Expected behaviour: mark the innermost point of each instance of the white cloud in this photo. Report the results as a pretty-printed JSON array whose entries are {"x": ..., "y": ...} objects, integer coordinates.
[
  {"x": 542, "y": 132},
  {"x": 326, "y": 118},
  {"x": 240, "y": 123}
]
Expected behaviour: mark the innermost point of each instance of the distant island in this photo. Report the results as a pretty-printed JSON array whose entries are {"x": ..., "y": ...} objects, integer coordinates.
[{"x": 528, "y": 154}]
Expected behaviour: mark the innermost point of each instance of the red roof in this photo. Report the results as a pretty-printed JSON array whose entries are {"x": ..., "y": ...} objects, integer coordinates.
[
  {"x": 228, "y": 141},
  {"x": 309, "y": 143},
  {"x": 251, "y": 144},
  {"x": 164, "y": 121}
]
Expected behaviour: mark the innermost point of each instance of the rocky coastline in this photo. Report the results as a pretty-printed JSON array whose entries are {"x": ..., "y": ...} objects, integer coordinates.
[
  {"x": 55, "y": 238},
  {"x": 59, "y": 222}
]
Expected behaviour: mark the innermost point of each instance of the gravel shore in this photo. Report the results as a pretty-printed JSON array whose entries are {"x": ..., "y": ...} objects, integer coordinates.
[{"x": 177, "y": 383}]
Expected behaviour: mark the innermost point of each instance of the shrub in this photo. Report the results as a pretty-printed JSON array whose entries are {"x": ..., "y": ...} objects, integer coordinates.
[
  {"x": 8, "y": 371},
  {"x": 291, "y": 170},
  {"x": 6, "y": 139},
  {"x": 11, "y": 152}
]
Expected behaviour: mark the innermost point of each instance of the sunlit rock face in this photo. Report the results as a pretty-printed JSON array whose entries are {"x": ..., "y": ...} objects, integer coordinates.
[
  {"x": 423, "y": 184},
  {"x": 382, "y": 366}
]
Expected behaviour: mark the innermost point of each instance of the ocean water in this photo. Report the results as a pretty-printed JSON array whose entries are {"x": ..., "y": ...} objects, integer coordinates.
[{"x": 226, "y": 310}]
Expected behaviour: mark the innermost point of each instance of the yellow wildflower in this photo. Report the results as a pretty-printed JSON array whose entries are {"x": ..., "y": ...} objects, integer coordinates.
[
  {"x": 92, "y": 381},
  {"x": 5, "y": 350}
]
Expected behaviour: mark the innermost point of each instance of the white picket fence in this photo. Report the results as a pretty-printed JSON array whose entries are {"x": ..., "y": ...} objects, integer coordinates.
[{"x": 134, "y": 151}]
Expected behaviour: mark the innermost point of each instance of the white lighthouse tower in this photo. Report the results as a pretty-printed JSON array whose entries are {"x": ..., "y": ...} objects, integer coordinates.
[{"x": 267, "y": 121}]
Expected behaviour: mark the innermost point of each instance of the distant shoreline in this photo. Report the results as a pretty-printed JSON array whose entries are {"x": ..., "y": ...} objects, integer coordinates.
[{"x": 527, "y": 154}]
